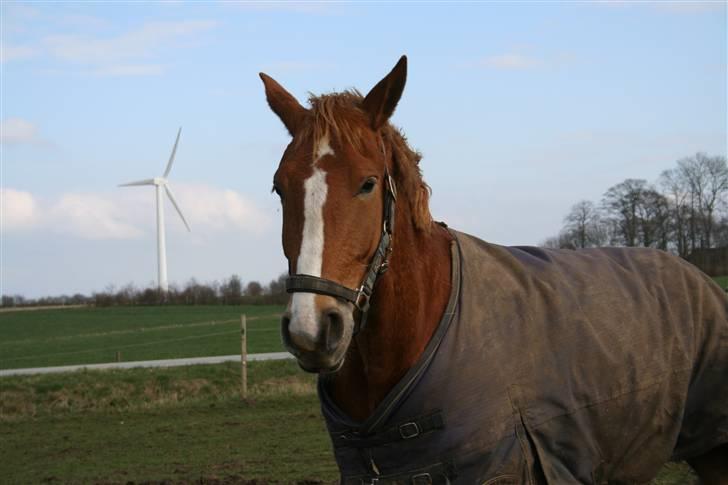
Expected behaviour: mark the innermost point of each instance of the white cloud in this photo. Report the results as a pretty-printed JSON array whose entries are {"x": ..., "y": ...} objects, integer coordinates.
[
  {"x": 137, "y": 44},
  {"x": 509, "y": 62},
  {"x": 130, "y": 213},
  {"x": 316, "y": 7},
  {"x": 130, "y": 70},
  {"x": 92, "y": 216},
  {"x": 21, "y": 10},
  {"x": 83, "y": 21},
  {"x": 15, "y": 52},
  {"x": 131, "y": 53},
  {"x": 18, "y": 209},
  {"x": 287, "y": 66},
  {"x": 16, "y": 131},
  {"x": 692, "y": 7},
  {"x": 670, "y": 6},
  {"x": 220, "y": 209}
]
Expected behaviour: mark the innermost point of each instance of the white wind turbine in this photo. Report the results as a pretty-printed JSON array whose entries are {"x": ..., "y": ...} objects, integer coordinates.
[{"x": 159, "y": 183}]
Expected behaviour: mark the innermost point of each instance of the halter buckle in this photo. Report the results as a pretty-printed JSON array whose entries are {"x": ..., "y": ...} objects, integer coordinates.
[
  {"x": 362, "y": 299},
  {"x": 391, "y": 186}
]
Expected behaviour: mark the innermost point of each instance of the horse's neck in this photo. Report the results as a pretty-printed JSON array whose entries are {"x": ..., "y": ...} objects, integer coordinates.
[{"x": 408, "y": 303}]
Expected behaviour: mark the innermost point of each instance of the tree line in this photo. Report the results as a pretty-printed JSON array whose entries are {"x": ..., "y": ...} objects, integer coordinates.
[
  {"x": 228, "y": 292},
  {"x": 686, "y": 209}
]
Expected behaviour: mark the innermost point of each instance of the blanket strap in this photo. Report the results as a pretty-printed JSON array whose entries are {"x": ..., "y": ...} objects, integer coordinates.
[
  {"x": 404, "y": 431},
  {"x": 438, "y": 474}
]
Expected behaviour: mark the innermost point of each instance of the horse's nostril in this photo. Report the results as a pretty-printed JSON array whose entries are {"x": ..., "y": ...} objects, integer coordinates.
[
  {"x": 334, "y": 325},
  {"x": 328, "y": 331}
]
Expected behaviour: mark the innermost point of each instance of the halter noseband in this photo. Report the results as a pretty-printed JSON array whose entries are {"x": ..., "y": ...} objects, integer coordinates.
[{"x": 380, "y": 262}]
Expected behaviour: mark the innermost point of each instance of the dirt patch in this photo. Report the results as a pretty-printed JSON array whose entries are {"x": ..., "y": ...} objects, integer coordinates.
[
  {"x": 15, "y": 404},
  {"x": 294, "y": 385}
]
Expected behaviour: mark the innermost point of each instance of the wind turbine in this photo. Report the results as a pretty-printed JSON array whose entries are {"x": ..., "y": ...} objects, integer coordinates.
[{"x": 159, "y": 184}]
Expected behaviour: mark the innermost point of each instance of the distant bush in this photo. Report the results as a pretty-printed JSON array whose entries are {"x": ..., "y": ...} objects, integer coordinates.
[{"x": 230, "y": 292}]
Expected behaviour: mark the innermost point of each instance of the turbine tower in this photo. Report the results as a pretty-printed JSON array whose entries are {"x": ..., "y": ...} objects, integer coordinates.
[{"x": 159, "y": 184}]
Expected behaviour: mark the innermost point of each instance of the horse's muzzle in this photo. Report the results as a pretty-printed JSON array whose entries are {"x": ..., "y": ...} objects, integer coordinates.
[{"x": 321, "y": 350}]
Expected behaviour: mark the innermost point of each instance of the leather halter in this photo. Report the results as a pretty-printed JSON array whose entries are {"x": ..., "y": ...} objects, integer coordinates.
[{"x": 379, "y": 263}]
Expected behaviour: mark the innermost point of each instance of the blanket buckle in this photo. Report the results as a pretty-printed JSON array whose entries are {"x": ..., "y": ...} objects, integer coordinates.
[
  {"x": 422, "y": 479},
  {"x": 409, "y": 430}
]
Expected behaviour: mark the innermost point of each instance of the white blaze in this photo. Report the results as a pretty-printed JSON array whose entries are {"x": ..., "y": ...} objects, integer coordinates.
[
  {"x": 310, "y": 258},
  {"x": 304, "y": 318}
]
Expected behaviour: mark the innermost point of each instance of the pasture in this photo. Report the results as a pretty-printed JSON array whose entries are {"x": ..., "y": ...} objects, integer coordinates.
[
  {"x": 180, "y": 425},
  {"x": 174, "y": 425},
  {"x": 722, "y": 281},
  {"x": 94, "y": 335}
]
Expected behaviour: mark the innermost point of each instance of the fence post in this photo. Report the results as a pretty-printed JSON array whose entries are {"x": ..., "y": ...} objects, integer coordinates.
[
  {"x": 118, "y": 356},
  {"x": 243, "y": 358}
]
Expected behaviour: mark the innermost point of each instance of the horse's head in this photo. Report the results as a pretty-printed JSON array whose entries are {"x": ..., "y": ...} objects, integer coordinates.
[{"x": 337, "y": 198}]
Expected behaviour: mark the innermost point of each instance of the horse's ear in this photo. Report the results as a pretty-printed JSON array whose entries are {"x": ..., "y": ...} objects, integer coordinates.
[
  {"x": 288, "y": 109},
  {"x": 379, "y": 104}
]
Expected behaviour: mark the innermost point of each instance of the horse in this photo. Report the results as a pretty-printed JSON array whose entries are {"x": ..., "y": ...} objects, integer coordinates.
[{"x": 442, "y": 358}]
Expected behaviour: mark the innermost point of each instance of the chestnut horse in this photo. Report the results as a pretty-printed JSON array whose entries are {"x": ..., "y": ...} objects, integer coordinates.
[{"x": 442, "y": 358}]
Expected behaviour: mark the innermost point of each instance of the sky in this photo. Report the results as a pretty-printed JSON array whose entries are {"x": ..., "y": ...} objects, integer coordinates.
[{"x": 520, "y": 109}]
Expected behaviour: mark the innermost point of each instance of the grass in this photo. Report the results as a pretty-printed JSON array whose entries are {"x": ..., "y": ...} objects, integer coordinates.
[
  {"x": 722, "y": 281},
  {"x": 94, "y": 335},
  {"x": 174, "y": 425}
]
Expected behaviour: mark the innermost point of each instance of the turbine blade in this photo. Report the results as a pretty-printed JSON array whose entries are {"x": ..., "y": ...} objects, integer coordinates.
[
  {"x": 171, "y": 157},
  {"x": 174, "y": 203},
  {"x": 139, "y": 182}
]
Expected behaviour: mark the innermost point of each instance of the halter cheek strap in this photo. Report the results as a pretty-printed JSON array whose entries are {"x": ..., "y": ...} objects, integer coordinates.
[{"x": 380, "y": 262}]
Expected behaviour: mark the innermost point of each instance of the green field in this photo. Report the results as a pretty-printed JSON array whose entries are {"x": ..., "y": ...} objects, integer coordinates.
[
  {"x": 181, "y": 425},
  {"x": 722, "y": 281},
  {"x": 178, "y": 425},
  {"x": 93, "y": 335}
]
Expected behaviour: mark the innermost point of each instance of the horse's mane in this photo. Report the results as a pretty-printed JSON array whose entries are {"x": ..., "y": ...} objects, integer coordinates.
[{"x": 340, "y": 114}]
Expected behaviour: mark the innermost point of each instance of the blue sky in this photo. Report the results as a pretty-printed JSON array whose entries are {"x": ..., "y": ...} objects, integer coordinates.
[{"x": 520, "y": 110}]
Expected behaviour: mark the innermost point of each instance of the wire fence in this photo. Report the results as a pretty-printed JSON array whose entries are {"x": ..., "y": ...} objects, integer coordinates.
[
  {"x": 159, "y": 342},
  {"x": 206, "y": 323}
]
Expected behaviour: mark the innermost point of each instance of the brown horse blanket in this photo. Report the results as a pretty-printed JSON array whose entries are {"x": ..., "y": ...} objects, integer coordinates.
[{"x": 552, "y": 366}]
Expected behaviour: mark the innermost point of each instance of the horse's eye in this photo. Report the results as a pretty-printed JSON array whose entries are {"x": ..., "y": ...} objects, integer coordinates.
[{"x": 368, "y": 185}]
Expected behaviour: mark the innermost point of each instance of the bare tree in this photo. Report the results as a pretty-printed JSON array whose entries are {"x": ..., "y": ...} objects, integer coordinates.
[
  {"x": 638, "y": 214},
  {"x": 707, "y": 180},
  {"x": 654, "y": 219},
  {"x": 677, "y": 193},
  {"x": 277, "y": 286},
  {"x": 232, "y": 291},
  {"x": 199, "y": 294},
  {"x": 583, "y": 226},
  {"x": 622, "y": 204},
  {"x": 254, "y": 289},
  {"x": 9, "y": 301},
  {"x": 721, "y": 232},
  {"x": 562, "y": 241}
]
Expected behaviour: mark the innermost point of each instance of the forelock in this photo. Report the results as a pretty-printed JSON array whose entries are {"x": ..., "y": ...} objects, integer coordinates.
[
  {"x": 336, "y": 115},
  {"x": 339, "y": 115}
]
